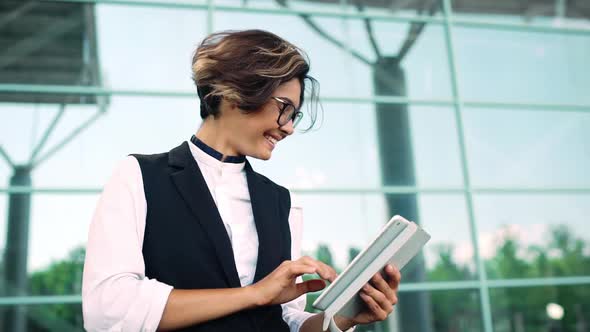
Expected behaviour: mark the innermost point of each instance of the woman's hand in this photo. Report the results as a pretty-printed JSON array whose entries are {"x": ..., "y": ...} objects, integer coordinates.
[
  {"x": 280, "y": 286},
  {"x": 379, "y": 295}
]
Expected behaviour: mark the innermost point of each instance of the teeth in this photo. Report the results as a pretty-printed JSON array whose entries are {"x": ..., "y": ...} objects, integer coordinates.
[{"x": 271, "y": 139}]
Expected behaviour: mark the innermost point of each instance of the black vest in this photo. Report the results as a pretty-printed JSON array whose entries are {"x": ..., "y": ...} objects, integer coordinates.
[{"x": 186, "y": 245}]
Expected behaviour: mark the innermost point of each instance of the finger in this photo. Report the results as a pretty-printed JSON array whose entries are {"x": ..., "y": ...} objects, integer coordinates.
[
  {"x": 324, "y": 270},
  {"x": 312, "y": 285},
  {"x": 380, "y": 284},
  {"x": 394, "y": 276},
  {"x": 380, "y": 298},
  {"x": 375, "y": 308},
  {"x": 327, "y": 272},
  {"x": 294, "y": 270},
  {"x": 311, "y": 264}
]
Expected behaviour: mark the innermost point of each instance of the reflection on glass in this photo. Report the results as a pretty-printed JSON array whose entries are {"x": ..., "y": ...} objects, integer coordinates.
[
  {"x": 50, "y": 317},
  {"x": 557, "y": 13},
  {"x": 534, "y": 236},
  {"x": 409, "y": 7},
  {"x": 336, "y": 235},
  {"x": 447, "y": 311},
  {"x": 407, "y": 65},
  {"x": 58, "y": 231},
  {"x": 543, "y": 309},
  {"x": 449, "y": 255},
  {"x": 455, "y": 310},
  {"x": 48, "y": 43},
  {"x": 327, "y": 157},
  {"x": 354, "y": 158},
  {"x": 299, "y": 162},
  {"x": 129, "y": 125},
  {"x": 153, "y": 51},
  {"x": 24, "y": 125},
  {"x": 528, "y": 148},
  {"x": 435, "y": 147},
  {"x": 538, "y": 68},
  {"x": 61, "y": 277}
]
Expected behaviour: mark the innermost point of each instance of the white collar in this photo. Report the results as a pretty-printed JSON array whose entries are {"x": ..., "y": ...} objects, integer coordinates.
[{"x": 202, "y": 157}]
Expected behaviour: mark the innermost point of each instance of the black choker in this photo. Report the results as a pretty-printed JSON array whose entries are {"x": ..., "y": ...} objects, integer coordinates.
[{"x": 216, "y": 154}]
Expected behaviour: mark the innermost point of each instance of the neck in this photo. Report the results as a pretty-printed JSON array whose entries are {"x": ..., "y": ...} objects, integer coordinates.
[{"x": 213, "y": 133}]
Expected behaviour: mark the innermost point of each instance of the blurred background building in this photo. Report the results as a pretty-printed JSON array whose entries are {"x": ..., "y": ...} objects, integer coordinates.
[{"x": 471, "y": 117}]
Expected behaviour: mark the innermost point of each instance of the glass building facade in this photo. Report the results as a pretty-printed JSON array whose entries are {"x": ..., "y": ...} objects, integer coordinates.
[{"x": 470, "y": 117}]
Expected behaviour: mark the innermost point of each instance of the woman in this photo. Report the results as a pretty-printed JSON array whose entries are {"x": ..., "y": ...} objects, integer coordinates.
[{"x": 194, "y": 239}]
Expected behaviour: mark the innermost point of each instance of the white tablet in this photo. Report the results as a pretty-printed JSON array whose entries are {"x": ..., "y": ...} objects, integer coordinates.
[{"x": 398, "y": 242}]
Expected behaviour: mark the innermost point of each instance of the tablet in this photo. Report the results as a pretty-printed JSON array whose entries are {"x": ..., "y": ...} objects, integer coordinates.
[{"x": 398, "y": 242}]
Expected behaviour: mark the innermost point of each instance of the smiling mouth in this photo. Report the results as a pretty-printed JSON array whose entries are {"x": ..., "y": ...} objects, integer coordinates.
[{"x": 271, "y": 139}]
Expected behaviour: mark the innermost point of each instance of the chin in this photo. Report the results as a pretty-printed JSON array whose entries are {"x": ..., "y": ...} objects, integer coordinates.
[{"x": 263, "y": 155}]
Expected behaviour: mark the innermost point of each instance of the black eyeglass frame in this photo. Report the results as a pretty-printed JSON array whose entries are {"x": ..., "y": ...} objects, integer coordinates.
[{"x": 295, "y": 117}]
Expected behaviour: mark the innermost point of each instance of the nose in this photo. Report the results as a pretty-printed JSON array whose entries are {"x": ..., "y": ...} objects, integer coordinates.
[{"x": 287, "y": 128}]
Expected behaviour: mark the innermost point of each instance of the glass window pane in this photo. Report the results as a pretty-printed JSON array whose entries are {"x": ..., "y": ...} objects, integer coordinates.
[
  {"x": 49, "y": 223},
  {"x": 336, "y": 232},
  {"x": 347, "y": 70},
  {"x": 528, "y": 148},
  {"x": 24, "y": 125},
  {"x": 129, "y": 125},
  {"x": 554, "y": 14},
  {"x": 47, "y": 317},
  {"x": 408, "y": 7},
  {"x": 153, "y": 125},
  {"x": 452, "y": 310},
  {"x": 552, "y": 308},
  {"x": 153, "y": 51},
  {"x": 437, "y": 311},
  {"x": 56, "y": 242},
  {"x": 342, "y": 152},
  {"x": 524, "y": 236},
  {"x": 513, "y": 66},
  {"x": 436, "y": 147},
  {"x": 539, "y": 68},
  {"x": 449, "y": 254},
  {"x": 3, "y": 218},
  {"x": 47, "y": 43}
]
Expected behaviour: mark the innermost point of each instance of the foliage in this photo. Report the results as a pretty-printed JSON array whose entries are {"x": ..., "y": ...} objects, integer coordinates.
[{"x": 513, "y": 309}]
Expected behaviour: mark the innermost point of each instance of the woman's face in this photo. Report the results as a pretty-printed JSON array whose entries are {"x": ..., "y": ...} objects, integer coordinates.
[{"x": 257, "y": 134}]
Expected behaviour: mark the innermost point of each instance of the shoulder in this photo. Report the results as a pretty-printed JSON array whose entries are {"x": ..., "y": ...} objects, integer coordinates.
[
  {"x": 158, "y": 162},
  {"x": 127, "y": 171},
  {"x": 148, "y": 159}
]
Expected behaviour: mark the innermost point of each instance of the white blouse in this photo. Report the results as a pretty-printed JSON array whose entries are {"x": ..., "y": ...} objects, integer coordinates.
[{"x": 116, "y": 294}]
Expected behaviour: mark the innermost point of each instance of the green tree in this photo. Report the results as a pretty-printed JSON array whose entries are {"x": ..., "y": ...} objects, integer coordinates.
[
  {"x": 523, "y": 308},
  {"x": 514, "y": 309},
  {"x": 63, "y": 277},
  {"x": 324, "y": 255},
  {"x": 453, "y": 310}
]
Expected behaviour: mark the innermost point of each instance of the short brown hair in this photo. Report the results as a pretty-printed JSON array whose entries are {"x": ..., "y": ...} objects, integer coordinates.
[{"x": 245, "y": 67}]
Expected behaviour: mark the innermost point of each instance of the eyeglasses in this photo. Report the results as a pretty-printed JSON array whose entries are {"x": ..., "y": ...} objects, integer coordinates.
[{"x": 287, "y": 113}]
